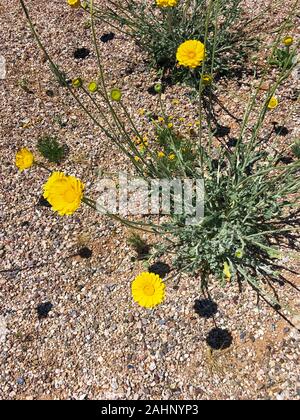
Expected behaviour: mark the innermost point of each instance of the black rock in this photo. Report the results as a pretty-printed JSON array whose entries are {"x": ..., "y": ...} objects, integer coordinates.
[{"x": 43, "y": 309}]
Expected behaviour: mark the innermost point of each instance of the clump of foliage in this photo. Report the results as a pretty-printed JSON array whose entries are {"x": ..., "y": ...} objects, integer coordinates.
[
  {"x": 296, "y": 149},
  {"x": 283, "y": 58},
  {"x": 160, "y": 31},
  {"x": 248, "y": 193},
  {"x": 139, "y": 245},
  {"x": 24, "y": 84},
  {"x": 50, "y": 149}
]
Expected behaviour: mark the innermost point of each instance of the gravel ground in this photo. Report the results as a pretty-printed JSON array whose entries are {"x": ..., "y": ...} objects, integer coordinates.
[{"x": 68, "y": 327}]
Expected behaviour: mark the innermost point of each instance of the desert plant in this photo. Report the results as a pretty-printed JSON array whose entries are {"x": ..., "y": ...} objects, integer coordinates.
[
  {"x": 139, "y": 245},
  {"x": 248, "y": 195},
  {"x": 50, "y": 149},
  {"x": 296, "y": 149},
  {"x": 160, "y": 28},
  {"x": 283, "y": 57}
]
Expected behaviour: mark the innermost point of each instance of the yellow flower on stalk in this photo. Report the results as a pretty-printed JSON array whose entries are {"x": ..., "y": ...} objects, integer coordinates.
[
  {"x": 64, "y": 193},
  {"x": 142, "y": 111},
  {"x": 77, "y": 83},
  {"x": 142, "y": 148},
  {"x": 161, "y": 154},
  {"x": 239, "y": 253},
  {"x": 137, "y": 158},
  {"x": 24, "y": 159},
  {"x": 226, "y": 271},
  {"x": 172, "y": 156},
  {"x": 206, "y": 79},
  {"x": 170, "y": 125},
  {"x": 166, "y": 3},
  {"x": 190, "y": 54},
  {"x": 148, "y": 290},
  {"x": 116, "y": 95},
  {"x": 74, "y": 3},
  {"x": 160, "y": 120},
  {"x": 273, "y": 103},
  {"x": 288, "y": 40},
  {"x": 93, "y": 87}
]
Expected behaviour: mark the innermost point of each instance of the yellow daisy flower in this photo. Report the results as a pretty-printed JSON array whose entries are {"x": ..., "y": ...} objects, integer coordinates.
[
  {"x": 172, "y": 156},
  {"x": 166, "y": 3},
  {"x": 273, "y": 103},
  {"x": 74, "y": 3},
  {"x": 148, "y": 290},
  {"x": 190, "y": 54},
  {"x": 24, "y": 159},
  {"x": 288, "y": 40},
  {"x": 64, "y": 193},
  {"x": 161, "y": 154}
]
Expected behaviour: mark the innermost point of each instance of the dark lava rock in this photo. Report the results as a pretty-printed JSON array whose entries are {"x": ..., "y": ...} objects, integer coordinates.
[{"x": 43, "y": 309}]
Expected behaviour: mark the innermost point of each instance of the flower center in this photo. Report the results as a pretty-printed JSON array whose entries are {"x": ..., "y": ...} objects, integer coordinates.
[
  {"x": 69, "y": 196},
  {"x": 192, "y": 54},
  {"x": 149, "y": 290}
]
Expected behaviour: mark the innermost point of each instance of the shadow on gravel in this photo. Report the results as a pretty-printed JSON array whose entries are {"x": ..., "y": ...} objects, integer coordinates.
[
  {"x": 205, "y": 308},
  {"x": 81, "y": 53},
  {"x": 160, "y": 268},
  {"x": 280, "y": 130},
  {"x": 219, "y": 339},
  {"x": 42, "y": 202},
  {"x": 107, "y": 37}
]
